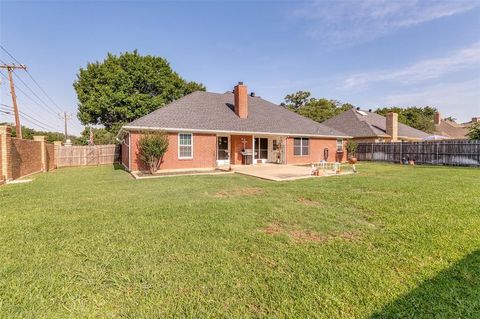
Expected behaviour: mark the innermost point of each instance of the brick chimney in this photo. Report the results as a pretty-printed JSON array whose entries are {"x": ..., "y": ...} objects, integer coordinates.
[
  {"x": 437, "y": 118},
  {"x": 241, "y": 100},
  {"x": 392, "y": 125}
]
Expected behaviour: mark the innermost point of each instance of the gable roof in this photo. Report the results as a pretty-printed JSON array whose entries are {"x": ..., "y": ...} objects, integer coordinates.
[
  {"x": 451, "y": 129},
  {"x": 213, "y": 112},
  {"x": 369, "y": 124}
]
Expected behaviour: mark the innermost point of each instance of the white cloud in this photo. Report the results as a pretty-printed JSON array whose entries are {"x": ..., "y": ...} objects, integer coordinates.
[
  {"x": 463, "y": 59},
  {"x": 353, "y": 21}
]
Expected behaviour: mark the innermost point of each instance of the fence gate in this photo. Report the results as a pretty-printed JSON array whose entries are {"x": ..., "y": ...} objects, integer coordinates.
[{"x": 87, "y": 155}]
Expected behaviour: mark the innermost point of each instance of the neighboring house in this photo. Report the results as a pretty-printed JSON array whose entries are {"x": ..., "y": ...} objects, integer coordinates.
[
  {"x": 451, "y": 129},
  {"x": 206, "y": 130},
  {"x": 370, "y": 127}
]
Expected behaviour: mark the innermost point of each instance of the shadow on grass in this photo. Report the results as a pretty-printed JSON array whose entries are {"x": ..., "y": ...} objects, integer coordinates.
[
  {"x": 453, "y": 293},
  {"x": 117, "y": 166}
]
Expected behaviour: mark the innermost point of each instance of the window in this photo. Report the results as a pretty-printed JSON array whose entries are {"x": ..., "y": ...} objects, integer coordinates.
[
  {"x": 339, "y": 145},
  {"x": 185, "y": 145},
  {"x": 300, "y": 146}
]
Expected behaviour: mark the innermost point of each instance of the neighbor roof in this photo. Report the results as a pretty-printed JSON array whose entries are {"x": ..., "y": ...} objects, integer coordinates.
[
  {"x": 451, "y": 129},
  {"x": 369, "y": 124},
  {"x": 205, "y": 111}
]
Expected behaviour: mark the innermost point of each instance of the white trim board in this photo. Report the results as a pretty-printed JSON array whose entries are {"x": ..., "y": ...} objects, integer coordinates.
[{"x": 172, "y": 129}]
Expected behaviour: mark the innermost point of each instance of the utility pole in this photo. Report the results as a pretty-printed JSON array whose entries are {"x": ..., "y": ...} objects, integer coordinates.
[
  {"x": 10, "y": 68},
  {"x": 65, "y": 116}
]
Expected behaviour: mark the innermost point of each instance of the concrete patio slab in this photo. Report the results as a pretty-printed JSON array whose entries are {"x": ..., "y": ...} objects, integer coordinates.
[{"x": 279, "y": 172}]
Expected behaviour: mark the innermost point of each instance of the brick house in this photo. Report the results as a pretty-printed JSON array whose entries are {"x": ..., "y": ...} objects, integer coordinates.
[
  {"x": 207, "y": 130},
  {"x": 370, "y": 127}
]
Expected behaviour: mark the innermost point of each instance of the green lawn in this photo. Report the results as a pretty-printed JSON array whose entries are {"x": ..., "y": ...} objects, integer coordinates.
[{"x": 390, "y": 242}]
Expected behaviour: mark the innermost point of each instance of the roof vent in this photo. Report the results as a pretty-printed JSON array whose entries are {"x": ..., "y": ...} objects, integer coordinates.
[
  {"x": 358, "y": 108},
  {"x": 252, "y": 94},
  {"x": 370, "y": 110}
]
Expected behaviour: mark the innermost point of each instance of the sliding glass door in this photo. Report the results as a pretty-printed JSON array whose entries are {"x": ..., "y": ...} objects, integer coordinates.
[{"x": 261, "y": 148}]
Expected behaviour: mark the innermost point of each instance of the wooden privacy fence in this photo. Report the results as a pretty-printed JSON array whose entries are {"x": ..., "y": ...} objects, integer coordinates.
[
  {"x": 87, "y": 155},
  {"x": 452, "y": 152}
]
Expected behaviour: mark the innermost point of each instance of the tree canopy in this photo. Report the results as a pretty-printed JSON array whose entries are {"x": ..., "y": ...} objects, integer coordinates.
[
  {"x": 316, "y": 109},
  {"x": 29, "y": 133},
  {"x": 100, "y": 136},
  {"x": 123, "y": 88},
  {"x": 420, "y": 118},
  {"x": 474, "y": 131}
]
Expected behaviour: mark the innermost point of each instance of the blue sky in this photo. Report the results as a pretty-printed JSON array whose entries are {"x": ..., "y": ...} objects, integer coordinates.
[{"x": 369, "y": 53}]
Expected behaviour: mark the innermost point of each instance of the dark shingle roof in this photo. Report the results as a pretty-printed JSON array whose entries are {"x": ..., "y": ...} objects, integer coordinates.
[
  {"x": 355, "y": 124},
  {"x": 214, "y": 112}
]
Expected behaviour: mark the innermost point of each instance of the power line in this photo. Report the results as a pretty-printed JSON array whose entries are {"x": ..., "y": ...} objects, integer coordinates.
[
  {"x": 33, "y": 92},
  {"x": 33, "y": 79},
  {"x": 41, "y": 89},
  {"x": 32, "y": 118},
  {"x": 10, "y": 68},
  {"x": 1, "y": 46},
  {"x": 38, "y": 125},
  {"x": 28, "y": 96}
]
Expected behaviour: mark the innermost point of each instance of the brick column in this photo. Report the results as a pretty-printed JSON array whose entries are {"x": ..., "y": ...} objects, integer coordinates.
[
  {"x": 5, "y": 153},
  {"x": 56, "y": 145},
  {"x": 43, "y": 153}
]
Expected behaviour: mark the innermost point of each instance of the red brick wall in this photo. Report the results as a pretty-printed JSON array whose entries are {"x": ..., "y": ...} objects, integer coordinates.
[
  {"x": 204, "y": 152},
  {"x": 236, "y": 147},
  {"x": 26, "y": 157},
  {"x": 125, "y": 151},
  {"x": 2, "y": 178},
  {"x": 316, "y": 149},
  {"x": 49, "y": 157}
]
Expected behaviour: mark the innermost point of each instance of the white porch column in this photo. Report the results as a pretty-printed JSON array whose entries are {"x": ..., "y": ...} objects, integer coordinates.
[{"x": 253, "y": 149}]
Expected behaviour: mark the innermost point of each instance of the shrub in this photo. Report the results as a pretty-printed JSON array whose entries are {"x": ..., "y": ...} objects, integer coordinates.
[
  {"x": 152, "y": 146},
  {"x": 351, "y": 148}
]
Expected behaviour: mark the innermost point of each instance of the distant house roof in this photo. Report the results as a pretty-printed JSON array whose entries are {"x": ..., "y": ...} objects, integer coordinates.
[
  {"x": 361, "y": 123},
  {"x": 214, "y": 112},
  {"x": 451, "y": 129}
]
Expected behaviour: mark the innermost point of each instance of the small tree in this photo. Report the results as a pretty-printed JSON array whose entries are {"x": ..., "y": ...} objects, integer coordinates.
[
  {"x": 474, "y": 131},
  {"x": 351, "y": 148},
  {"x": 152, "y": 146}
]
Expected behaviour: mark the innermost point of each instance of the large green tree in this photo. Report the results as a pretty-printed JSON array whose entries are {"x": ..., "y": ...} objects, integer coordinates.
[
  {"x": 123, "y": 88},
  {"x": 316, "y": 109},
  {"x": 420, "y": 118}
]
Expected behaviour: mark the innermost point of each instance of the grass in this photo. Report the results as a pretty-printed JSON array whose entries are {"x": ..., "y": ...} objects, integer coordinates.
[{"x": 390, "y": 242}]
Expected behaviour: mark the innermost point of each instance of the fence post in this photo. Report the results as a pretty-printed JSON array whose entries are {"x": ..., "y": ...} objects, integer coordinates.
[
  {"x": 43, "y": 158},
  {"x": 5, "y": 153},
  {"x": 401, "y": 150}
]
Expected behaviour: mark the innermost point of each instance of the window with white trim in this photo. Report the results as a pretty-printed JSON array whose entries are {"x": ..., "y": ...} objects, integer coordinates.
[
  {"x": 339, "y": 145},
  {"x": 185, "y": 145},
  {"x": 300, "y": 146}
]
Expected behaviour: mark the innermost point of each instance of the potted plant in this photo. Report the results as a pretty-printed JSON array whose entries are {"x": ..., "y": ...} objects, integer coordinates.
[{"x": 351, "y": 151}]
